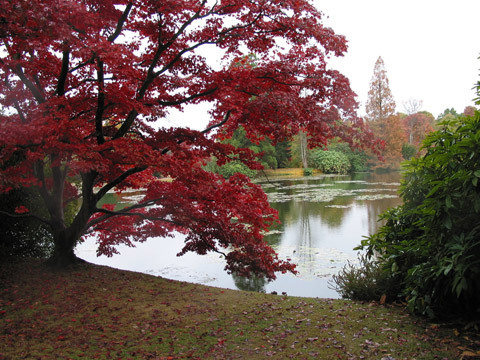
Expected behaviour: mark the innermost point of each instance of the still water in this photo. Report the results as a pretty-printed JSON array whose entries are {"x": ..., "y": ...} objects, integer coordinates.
[{"x": 322, "y": 219}]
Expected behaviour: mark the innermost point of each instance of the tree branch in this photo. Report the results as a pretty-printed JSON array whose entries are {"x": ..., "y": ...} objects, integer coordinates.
[
  {"x": 214, "y": 126},
  {"x": 187, "y": 99},
  {"x": 63, "y": 73},
  {"x": 151, "y": 75},
  {"x": 132, "y": 115},
  {"x": 125, "y": 212},
  {"x": 16, "y": 104},
  {"x": 210, "y": 128},
  {"x": 179, "y": 55},
  {"x": 100, "y": 104},
  {"x": 24, "y": 216},
  {"x": 37, "y": 93},
  {"x": 117, "y": 181},
  {"x": 121, "y": 22}
]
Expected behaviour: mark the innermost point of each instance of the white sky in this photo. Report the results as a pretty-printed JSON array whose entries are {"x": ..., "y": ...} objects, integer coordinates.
[{"x": 430, "y": 48}]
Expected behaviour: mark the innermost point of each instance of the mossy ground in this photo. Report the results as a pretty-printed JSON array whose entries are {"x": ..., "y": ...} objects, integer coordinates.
[{"x": 96, "y": 312}]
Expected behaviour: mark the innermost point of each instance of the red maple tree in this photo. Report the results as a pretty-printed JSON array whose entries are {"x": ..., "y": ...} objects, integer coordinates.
[{"x": 85, "y": 90}]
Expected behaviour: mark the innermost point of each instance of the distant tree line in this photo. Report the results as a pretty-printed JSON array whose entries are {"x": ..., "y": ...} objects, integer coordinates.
[{"x": 402, "y": 134}]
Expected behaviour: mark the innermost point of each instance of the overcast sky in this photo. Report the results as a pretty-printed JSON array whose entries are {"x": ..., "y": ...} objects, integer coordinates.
[{"x": 430, "y": 48}]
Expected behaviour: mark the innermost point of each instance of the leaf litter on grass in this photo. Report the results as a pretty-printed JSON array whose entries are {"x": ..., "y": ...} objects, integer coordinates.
[{"x": 96, "y": 312}]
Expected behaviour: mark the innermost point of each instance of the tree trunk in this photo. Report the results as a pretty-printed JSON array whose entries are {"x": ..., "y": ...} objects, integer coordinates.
[
  {"x": 63, "y": 255},
  {"x": 66, "y": 238},
  {"x": 303, "y": 149}
]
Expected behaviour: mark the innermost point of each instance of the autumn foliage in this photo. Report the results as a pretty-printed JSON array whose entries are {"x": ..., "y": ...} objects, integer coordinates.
[
  {"x": 85, "y": 91},
  {"x": 380, "y": 103},
  {"x": 417, "y": 126},
  {"x": 391, "y": 131}
]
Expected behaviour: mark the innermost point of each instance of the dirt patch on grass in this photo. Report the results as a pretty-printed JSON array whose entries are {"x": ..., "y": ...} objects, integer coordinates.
[{"x": 96, "y": 312}]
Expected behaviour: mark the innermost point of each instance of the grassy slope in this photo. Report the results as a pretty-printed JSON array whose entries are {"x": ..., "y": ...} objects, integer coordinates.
[{"x": 99, "y": 312}]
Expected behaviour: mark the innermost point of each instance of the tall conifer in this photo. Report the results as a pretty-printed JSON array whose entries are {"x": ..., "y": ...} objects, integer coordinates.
[{"x": 380, "y": 103}]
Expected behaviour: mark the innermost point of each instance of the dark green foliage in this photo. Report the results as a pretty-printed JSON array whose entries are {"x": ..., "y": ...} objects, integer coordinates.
[
  {"x": 447, "y": 114},
  {"x": 358, "y": 158},
  {"x": 408, "y": 151},
  {"x": 331, "y": 162},
  {"x": 282, "y": 153},
  {"x": 265, "y": 149},
  {"x": 26, "y": 237},
  {"x": 367, "y": 281},
  {"x": 308, "y": 172},
  {"x": 432, "y": 241},
  {"x": 267, "y": 156},
  {"x": 230, "y": 168}
]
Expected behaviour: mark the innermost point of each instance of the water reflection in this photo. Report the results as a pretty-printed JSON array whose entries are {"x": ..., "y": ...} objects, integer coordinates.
[
  {"x": 322, "y": 220},
  {"x": 253, "y": 283}
]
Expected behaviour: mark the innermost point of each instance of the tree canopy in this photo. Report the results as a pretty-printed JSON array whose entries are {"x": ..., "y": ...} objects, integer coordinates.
[{"x": 86, "y": 88}]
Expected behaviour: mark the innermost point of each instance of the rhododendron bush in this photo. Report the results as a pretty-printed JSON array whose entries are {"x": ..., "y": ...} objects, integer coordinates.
[{"x": 86, "y": 87}]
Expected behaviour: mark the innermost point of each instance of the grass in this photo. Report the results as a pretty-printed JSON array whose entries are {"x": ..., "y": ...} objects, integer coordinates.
[
  {"x": 96, "y": 312},
  {"x": 283, "y": 172}
]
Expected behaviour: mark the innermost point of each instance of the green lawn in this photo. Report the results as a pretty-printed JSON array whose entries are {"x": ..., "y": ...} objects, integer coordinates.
[{"x": 96, "y": 312}]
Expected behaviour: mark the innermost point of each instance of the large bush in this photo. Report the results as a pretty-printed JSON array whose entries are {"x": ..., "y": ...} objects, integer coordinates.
[
  {"x": 365, "y": 281},
  {"x": 358, "y": 158},
  {"x": 235, "y": 167},
  {"x": 432, "y": 242},
  {"x": 331, "y": 162},
  {"x": 22, "y": 237}
]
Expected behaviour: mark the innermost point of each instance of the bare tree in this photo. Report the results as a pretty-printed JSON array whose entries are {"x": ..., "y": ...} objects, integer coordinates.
[{"x": 412, "y": 106}]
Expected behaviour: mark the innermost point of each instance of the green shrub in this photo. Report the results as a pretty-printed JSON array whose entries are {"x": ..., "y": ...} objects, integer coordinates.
[
  {"x": 366, "y": 282},
  {"x": 234, "y": 167},
  {"x": 308, "y": 172},
  {"x": 229, "y": 169},
  {"x": 408, "y": 151},
  {"x": 331, "y": 162},
  {"x": 432, "y": 242},
  {"x": 358, "y": 159},
  {"x": 22, "y": 237}
]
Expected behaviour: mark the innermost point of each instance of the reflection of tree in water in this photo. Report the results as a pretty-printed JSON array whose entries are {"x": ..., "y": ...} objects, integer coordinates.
[
  {"x": 301, "y": 217},
  {"x": 294, "y": 211},
  {"x": 254, "y": 283},
  {"x": 334, "y": 216},
  {"x": 376, "y": 208},
  {"x": 304, "y": 240}
]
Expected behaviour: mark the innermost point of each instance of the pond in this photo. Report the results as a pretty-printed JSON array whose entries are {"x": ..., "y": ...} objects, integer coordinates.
[{"x": 322, "y": 219}]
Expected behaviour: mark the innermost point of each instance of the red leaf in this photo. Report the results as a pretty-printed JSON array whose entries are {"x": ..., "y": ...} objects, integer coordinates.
[{"x": 21, "y": 209}]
